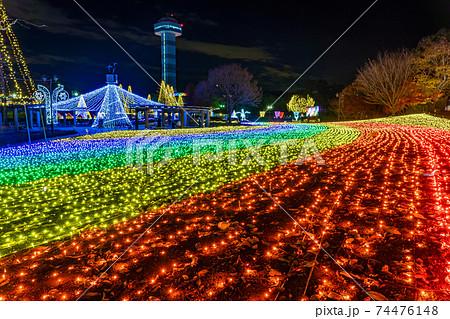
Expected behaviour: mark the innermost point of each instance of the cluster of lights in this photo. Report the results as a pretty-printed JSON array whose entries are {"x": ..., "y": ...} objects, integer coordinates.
[
  {"x": 222, "y": 224},
  {"x": 211, "y": 244},
  {"x": 51, "y": 209},
  {"x": 421, "y": 120},
  {"x": 146, "y": 133},
  {"x": 12, "y": 60},
  {"x": 25, "y": 163},
  {"x": 109, "y": 103},
  {"x": 214, "y": 235},
  {"x": 368, "y": 208}
]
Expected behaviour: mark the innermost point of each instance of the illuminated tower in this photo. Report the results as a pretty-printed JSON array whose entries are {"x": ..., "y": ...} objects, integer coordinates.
[{"x": 168, "y": 29}]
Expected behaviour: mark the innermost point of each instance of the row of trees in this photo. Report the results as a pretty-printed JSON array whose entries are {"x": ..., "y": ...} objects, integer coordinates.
[
  {"x": 231, "y": 87},
  {"x": 387, "y": 85},
  {"x": 394, "y": 81}
]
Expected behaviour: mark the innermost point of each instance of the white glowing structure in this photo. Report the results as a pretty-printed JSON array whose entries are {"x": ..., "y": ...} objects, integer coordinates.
[
  {"x": 108, "y": 103},
  {"x": 81, "y": 108},
  {"x": 243, "y": 114}
]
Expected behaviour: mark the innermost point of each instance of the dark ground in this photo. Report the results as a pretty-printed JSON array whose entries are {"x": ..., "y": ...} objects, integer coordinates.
[{"x": 11, "y": 137}]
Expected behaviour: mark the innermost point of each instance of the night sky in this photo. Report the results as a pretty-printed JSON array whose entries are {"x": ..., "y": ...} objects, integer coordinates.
[{"x": 275, "y": 40}]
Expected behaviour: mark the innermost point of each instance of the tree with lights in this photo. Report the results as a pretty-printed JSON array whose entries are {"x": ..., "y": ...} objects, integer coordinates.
[
  {"x": 12, "y": 63},
  {"x": 82, "y": 107},
  {"x": 300, "y": 104},
  {"x": 180, "y": 101},
  {"x": 230, "y": 85},
  {"x": 167, "y": 95},
  {"x": 432, "y": 62}
]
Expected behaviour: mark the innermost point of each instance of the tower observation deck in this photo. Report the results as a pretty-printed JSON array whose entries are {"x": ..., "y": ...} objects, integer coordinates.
[{"x": 168, "y": 29}]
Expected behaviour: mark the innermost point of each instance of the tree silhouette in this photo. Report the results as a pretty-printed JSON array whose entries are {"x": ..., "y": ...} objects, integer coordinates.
[
  {"x": 387, "y": 80},
  {"x": 230, "y": 85}
]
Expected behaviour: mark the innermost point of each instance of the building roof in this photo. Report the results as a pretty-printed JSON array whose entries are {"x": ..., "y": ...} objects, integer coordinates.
[{"x": 171, "y": 19}]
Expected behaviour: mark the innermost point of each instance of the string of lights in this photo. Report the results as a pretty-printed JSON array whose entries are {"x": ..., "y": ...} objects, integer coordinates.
[
  {"x": 22, "y": 164},
  {"x": 110, "y": 104},
  {"x": 12, "y": 64},
  {"x": 53, "y": 208},
  {"x": 367, "y": 207},
  {"x": 379, "y": 207}
]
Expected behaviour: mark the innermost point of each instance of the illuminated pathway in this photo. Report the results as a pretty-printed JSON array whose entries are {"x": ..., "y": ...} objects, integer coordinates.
[
  {"x": 432, "y": 229},
  {"x": 372, "y": 207}
]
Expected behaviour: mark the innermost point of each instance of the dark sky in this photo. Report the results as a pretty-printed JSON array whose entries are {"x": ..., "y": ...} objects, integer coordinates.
[{"x": 275, "y": 40}]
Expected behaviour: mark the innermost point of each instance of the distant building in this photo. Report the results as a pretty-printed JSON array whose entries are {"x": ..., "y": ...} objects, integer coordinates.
[{"x": 168, "y": 29}]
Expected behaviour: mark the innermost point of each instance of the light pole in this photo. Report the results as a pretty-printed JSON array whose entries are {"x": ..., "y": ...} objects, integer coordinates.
[{"x": 54, "y": 79}]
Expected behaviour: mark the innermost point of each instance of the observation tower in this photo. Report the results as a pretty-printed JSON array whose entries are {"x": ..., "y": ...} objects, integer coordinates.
[{"x": 168, "y": 29}]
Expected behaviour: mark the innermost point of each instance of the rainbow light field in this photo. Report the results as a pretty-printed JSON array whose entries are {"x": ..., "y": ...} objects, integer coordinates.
[{"x": 70, "y": 211}]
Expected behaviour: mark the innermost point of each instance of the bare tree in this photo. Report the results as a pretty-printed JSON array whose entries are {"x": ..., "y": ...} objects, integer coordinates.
[
  {"x": 231, "y": 85},
  {"x": 387, "y": 80},
  {"x": 202, "y": 95}
]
